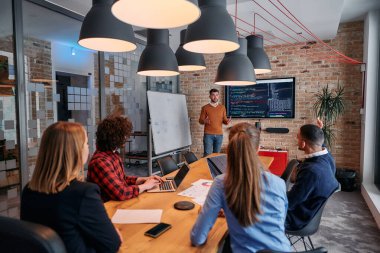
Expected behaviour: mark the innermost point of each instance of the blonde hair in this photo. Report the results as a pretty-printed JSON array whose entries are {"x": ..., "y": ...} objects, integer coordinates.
[
  {"x": 59, "y": 159},
  {"x": 243, "y": 177}
]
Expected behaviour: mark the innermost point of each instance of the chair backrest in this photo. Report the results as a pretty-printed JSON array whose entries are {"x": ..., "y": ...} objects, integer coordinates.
[
  {"x": 225, "y": 244},
  {"x": 288, "y": 171},
  {"x": 312, "y": 227},
  {"x": 18, "y": 236},
  {"x": 317, "y": 250},
  {"x": 167, "y": 165},
  {"x": 190, "y": 157}
]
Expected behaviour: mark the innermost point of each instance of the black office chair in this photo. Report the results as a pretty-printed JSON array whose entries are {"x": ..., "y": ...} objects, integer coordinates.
[
  {"x": 317, "y": 250},
  {"x": 190, "y": 157},
  {"x": 288, "y": 171},
  {"x": 311, "y": 228},
  {"x": 167, "y": 165},
  {"x": 18, "y": 236},
  {"x": 225, "y": 244}
]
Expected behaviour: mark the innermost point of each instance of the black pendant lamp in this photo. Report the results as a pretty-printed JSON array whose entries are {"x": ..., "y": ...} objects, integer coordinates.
[
  {"x": 189, "y": 61},
  {"x": 158, "y": 14},
  {"x": 103, "y": 32},
  {"x": 257, "y": 55},
  {"x": 158, "y": 58},
  {"x": 236, "y": 68},
  {"x": 214, "y": 32}
]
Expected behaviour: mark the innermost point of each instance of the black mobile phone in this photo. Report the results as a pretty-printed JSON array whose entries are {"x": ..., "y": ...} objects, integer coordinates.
[{"x": 158, "y": 230}]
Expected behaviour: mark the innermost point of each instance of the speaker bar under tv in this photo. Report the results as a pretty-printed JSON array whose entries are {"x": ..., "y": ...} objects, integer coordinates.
[{"x": 269, "y": 98}]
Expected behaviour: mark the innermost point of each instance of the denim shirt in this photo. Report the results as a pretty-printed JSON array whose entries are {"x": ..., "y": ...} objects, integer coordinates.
[{"x": 267, "y": 233}]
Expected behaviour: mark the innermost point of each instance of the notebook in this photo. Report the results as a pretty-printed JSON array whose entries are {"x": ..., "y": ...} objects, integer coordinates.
[
  {"x": 217, "y": 165},
  {"x": 172, "y": 185}
]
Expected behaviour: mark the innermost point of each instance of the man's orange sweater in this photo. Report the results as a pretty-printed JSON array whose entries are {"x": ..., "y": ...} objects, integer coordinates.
[{"x": 217, "y": 116}]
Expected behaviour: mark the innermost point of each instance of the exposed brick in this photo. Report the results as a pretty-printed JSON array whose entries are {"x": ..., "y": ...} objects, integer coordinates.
[{"x": 312, "y": 71}]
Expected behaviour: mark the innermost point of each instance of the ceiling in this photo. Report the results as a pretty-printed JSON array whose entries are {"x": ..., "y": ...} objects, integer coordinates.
[{"x": 321, "y": 17}]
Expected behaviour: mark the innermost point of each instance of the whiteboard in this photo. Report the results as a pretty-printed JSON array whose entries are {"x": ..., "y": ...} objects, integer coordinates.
[{"x": 169, "y": 121}]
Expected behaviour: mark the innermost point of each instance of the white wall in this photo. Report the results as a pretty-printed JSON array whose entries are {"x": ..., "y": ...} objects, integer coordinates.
[
  {"x": 81, "y": 63},
  {"x": 368, "y": 151}
]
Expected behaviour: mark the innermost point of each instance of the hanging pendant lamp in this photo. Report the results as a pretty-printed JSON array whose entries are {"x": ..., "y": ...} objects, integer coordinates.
[
  {"x": 103, "y": 32},
  {"x": 189, "y": 61},
  {"x": 214, "y": 32},
  {"x": 257, "y": 55},
  {"x": 158, "y": 58},
  {"x": 158, "y": 14},
  {"x": 236, "y": 68}
]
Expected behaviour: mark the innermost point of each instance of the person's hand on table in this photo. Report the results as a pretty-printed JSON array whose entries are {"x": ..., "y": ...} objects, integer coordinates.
[
  {"x": 148, "y": 184},
  {"x": 142, "y": 180}
]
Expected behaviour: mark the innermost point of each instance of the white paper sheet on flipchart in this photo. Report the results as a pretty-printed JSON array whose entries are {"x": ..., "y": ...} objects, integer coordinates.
[
  {"x": 132, "y": 216},
  {"x": 205, "y": 182},
  {"x": 196, "y": 191}
]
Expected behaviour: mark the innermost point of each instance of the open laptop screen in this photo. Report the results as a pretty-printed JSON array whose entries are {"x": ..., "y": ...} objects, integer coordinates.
[
  {"x": 217, "y": 165},
  {"x": 181, "y": 175}
]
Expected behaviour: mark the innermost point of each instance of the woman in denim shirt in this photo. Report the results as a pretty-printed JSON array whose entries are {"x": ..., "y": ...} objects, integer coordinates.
[{"x": 254, "y": 200}]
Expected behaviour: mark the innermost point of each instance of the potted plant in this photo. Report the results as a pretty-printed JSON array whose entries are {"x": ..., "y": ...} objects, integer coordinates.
[{"x": 328, "y": 107}]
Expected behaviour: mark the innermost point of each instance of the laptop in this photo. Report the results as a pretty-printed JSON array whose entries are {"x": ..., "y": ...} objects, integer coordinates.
[
  {"x": 217, "y": 165},
  {"x": 172, "y": 185}
]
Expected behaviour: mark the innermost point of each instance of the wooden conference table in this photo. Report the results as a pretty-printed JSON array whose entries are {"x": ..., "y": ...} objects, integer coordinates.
[{"x": 176, "y": 239}]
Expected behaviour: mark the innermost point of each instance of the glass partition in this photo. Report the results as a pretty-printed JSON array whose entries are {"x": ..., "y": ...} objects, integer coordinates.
[
  {"x": 10, "y": 173},
  {"x": 60, "y": 76},
  {"x": 126, "y": 95}
]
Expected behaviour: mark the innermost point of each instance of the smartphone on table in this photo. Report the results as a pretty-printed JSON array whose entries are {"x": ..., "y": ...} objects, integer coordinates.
[{"x": 158, "y": 230}]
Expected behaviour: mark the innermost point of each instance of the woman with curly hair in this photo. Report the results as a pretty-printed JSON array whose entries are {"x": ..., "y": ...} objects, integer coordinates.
[{"x": 106, "y": 168}]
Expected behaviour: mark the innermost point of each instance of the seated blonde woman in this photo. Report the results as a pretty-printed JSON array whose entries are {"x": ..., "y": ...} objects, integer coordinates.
[
  {"x": 57, "y": 198},
  {"x": 253, "y": 200}
]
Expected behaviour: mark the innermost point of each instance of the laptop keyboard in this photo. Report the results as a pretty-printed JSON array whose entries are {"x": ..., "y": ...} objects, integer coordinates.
[{"x": 166, "y": 185}]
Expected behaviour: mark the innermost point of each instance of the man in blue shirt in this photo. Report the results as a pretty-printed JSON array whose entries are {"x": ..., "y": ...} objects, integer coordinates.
[{"x": 315, "y": 180}]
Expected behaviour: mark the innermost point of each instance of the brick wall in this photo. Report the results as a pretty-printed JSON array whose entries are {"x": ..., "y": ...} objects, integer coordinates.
[{"x": 311, "y": 73}]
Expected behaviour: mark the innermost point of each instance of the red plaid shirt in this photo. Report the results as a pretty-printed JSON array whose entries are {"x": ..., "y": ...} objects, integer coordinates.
[{"x": 106, "y": 170}]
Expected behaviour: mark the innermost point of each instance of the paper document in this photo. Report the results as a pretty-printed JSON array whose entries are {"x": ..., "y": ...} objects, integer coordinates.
[
  {"x": 199, "y": 200},
  {"x": 123, "y": 216},
  {"x": 204, "y": 182},
  {"x": 195, "y": 191}
]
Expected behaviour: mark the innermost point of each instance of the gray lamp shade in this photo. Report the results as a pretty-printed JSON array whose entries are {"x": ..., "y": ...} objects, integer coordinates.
[
  {"x": 214, "y": 32},
  {"x": 158, "y": 59},
  {"x": 103, "y": 32},
  {"x": 157, "y": 14},
  {"x": 257, "y": 55},
  {"x": 189, "y": 61},
  {"x": 236, "y": 68}
]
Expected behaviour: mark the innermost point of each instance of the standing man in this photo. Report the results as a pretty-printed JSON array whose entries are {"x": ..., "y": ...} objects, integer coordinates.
[
  {"x": 213, "y": 115},
  {"x": 315, "y": 180}
]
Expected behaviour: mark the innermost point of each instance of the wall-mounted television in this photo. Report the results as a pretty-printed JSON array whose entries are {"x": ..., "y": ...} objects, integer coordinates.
[{"x": 269, "y": 98}]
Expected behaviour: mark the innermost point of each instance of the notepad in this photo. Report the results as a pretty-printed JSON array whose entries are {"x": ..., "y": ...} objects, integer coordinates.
[{"x": 134, "y": 216}]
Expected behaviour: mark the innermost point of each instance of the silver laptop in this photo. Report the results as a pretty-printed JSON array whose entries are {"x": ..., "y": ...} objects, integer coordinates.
[{"x": 172, "y": 185}]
